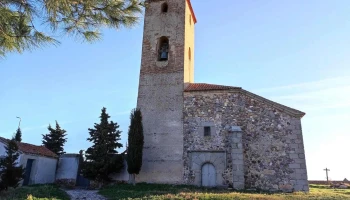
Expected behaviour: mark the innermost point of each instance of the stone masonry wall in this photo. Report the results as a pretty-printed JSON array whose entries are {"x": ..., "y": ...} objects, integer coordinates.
[{"x": 272, "y": 143}]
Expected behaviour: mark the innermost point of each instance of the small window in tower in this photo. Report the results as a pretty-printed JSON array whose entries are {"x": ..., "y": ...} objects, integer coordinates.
[
  {"x": 189, "y": 53},
  {"x": 164, "y": 7},
  {"x": 206, "y": 130},
  {"x": 163, "y": 49},
  {"x": 190, "y": 19}
]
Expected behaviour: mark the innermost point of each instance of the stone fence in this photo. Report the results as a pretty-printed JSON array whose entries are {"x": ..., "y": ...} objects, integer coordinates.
[{"x": 325, "y": 182}]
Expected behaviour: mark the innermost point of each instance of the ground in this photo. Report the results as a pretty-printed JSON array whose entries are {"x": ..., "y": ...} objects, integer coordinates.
[
  {"x": 159, "y": 192},
  {"x": 36, "y": 192}
]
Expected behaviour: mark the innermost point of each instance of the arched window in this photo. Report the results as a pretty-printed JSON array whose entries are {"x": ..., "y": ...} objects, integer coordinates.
[
  {"x": 189, "y": 53},
  {"x": 163, "y": 49},
  {"x": 164, "y": 7}
]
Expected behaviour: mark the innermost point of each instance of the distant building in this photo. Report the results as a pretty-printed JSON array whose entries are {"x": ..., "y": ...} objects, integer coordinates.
[{"x": 40, "y": 163}]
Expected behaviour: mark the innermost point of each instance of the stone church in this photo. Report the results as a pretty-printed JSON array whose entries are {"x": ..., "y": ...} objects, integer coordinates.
[{"x": 206, "y": 134}]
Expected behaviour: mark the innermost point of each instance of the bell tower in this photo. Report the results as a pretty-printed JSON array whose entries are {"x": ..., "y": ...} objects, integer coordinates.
[{"x": 167, "y": 64}]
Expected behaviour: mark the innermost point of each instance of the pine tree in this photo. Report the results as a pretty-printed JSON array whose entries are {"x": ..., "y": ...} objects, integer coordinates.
[
  {"x": 101, "y": 158},
  {"x": 55, "y": 139},
  {"x": 18, "y": 135},
  {"x": 84, "y": 19},
  {"x": 135, "y": 141},
  {"x": 11, "y": 173}
]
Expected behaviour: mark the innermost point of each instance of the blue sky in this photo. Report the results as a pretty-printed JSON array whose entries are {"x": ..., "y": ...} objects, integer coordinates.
[{"x": 293, "y": 52}]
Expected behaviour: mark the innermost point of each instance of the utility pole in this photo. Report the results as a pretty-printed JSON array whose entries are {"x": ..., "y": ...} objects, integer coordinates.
[
  {"x": 19, "y": 124},
  {"x": 327, "y": 170}
]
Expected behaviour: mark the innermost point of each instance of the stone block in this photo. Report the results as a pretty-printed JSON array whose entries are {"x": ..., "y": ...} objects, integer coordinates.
[
  {"x": 292, "y": 136},
  {"x": 294, "y": 166},
  {"x": 299, "y": 176},
  {"x": 234, "y": 167},
  {"x": 202, "y": 157},
  {"x": 236, "y": 129},
  {"x": 269, "y": 172},
  {"x": 301, "y": 155},
  {"x": 300, "y": 171},
  {"x": 196, "y": 166},
  {"x": 207, "y": 157},
  {"x": 298, "y": 141},
  {"x": 298, "y": 187},
  {"x": 236, "y": 140},
  {"x": 237, "y": 185},
  {"x": 240, "y": 168},
  {"x": 238, "y": 151},
  {"x": 302, "y": 182},
  {"x": 293, "y": 155},
  {"x": 238, "y": 162},
  {"x": 285, "y": 187},
  {"x": 239, "y": 178},
  {"x": 299, "y": 161}
]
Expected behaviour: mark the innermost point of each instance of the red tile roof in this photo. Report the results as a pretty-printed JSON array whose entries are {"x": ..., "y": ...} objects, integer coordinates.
[
  {"x": 206, "y": 87},
  {"x": 32, "y": 149}
]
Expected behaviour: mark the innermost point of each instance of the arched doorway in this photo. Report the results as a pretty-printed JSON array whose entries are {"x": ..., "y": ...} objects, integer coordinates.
[{"x": 208, "y": 175}]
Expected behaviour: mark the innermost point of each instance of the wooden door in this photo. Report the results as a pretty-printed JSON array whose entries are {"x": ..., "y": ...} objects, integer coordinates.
[{"x": 208, "y": 175}]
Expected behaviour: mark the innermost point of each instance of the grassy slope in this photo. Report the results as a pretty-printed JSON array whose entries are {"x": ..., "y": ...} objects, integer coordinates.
[
  {"x": 145, "y": 191},
  {"x": 38, "y": 192}
]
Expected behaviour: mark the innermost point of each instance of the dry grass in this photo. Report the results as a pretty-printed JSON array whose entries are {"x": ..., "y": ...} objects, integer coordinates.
[
  {"x": 160, "y": 192},
  {"x": 37, "y": 192}
]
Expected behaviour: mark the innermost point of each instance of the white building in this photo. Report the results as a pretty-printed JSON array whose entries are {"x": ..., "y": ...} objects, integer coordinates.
[{"x": 40, "y": 163}]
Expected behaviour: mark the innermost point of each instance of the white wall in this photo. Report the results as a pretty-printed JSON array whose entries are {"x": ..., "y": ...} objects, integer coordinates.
[
  {"x": 68, "y": 166},
  {"x": 2, "y": 149},
  {"x": 43, "y": 168}
]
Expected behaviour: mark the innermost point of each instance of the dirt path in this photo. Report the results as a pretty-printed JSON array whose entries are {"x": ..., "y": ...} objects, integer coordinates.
[{"x": 80, "y": 194}]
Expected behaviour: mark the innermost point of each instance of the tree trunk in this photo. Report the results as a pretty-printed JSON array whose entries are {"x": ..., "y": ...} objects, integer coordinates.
[{"x": 132, "y": 179}]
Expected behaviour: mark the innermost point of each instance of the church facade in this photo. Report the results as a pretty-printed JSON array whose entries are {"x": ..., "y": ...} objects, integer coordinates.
[{"x": 206, "y": 134}]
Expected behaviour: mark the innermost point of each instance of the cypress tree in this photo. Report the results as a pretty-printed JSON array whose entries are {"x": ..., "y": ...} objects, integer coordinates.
[
  {"x": 18, "y": 135},
  {"x": 135, "y": 142},
  {"x": 101, "y": 158},
  {"x": 11, "y": 173},
  {"x": 55, "y": 139}
]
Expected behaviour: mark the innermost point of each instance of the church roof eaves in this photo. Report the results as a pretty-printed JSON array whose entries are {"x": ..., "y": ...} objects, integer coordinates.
[
  {"x": 207, "y": 87},
  {"x": 204, "y": 87},
  {"x": 192, "y": 11}
]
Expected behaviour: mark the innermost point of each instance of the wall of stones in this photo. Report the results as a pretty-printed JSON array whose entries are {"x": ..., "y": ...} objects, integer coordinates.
[{"x": 272, "y": 143}]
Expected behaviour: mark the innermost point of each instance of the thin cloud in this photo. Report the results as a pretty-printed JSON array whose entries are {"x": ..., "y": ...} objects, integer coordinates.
[
  {"x": 334, "y": 93},
  {"x": 45, "y": 125},
  {"x": 324, "y": 83}
]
